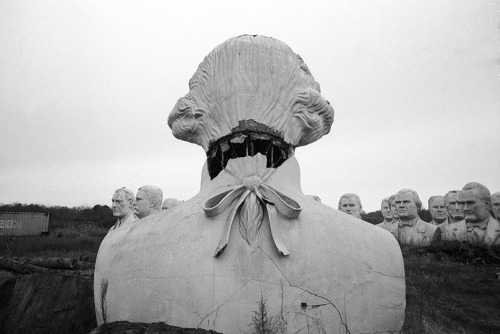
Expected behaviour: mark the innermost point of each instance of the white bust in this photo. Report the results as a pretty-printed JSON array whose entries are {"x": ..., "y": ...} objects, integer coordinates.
[{"x": 251, "y": 231}]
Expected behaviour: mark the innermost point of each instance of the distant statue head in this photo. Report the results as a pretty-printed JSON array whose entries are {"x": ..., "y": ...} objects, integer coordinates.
[
  {"x": 407, "y": 203},
  {"x": 170, "y": 203},
  {"x": 394, "y": 210},
  {"x": 251, "y": 88},
  {"x": 385, "y": 208},
  {"x": 495, "y": 205},
  {"x": 437, "y": 208},
  {"x": 123, "y": 202},
  {"x": 351, "y": 204},
  {"x": 476, "y": 199},
  {"x": 454, "y": 208},
  {"x": 315, "y": 197},
  {"x": 148, "y": 199}
]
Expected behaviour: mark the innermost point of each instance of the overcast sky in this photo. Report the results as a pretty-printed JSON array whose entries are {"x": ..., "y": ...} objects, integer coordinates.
[{"x": 86, "y": 88}]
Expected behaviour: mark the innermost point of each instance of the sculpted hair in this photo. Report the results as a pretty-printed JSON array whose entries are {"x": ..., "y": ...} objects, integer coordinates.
[
  {"x": 153, "y": 193},
  {"x": 127, "y": 194},
  {"x": 385, "y": 200},
  {"x": 170, "y": 203},
  {"x": 432, "y": 198},
  {"x": 349, "y": 196},
  {"x": 414, "y": 194},
  {"x": 315, "y": 197},
  {"x": 252, "y": 78},
  {"x": 448, "y": 195},
  {"x": 391, "y": 200},
  {"x": 483, "y": 192}
]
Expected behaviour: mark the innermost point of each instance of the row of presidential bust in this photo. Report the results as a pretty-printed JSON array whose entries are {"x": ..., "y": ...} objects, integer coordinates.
[
  {"x": 128, "y": 208},
  {"x": 471, "y": 214}
]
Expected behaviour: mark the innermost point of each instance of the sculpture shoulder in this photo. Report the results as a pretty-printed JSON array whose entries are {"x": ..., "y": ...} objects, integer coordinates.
[
  {"x": 317, "y": 217},
  {"x": 444, "y": 224},
  {"x": 458, "y": 226},
  {"x": 427, "y": 228},
  {"x": 492, "y": 236}
]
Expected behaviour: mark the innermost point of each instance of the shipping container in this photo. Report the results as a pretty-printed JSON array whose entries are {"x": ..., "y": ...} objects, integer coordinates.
[{"x": 24, "y": 223}]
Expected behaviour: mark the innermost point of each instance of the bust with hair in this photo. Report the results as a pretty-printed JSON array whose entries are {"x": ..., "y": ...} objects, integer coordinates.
[
  {"x": 454, "y": 215},
  {"x": 269, "y": 84},
  {"x": 394, "y": 210},
  {"x": 479, "y": 226},
  {"x": 495, "y": 205},
  {"x": 385, "y": 208},
  {"x": 251, "y": 103},
  {"x": 123, "y": 202},
  {"x": 454, "y": 209},
  {"x": 413, "y": 231},
  {"x": 351, "y": 204},
  {"x": 169, "y": 203},
  {"x": 437, "y": 208},
  {"x": 149, "y": 199}
]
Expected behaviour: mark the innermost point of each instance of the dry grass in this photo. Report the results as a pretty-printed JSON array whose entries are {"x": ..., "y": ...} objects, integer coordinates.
[
  {"x": 446, "y": 296},
  {"x": 70, "y": 240},
  {"x": 451, "y": 288}
]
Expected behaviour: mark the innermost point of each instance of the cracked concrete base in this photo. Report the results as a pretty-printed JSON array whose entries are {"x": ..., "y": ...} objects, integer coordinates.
[{"x": 342, "y": 275}]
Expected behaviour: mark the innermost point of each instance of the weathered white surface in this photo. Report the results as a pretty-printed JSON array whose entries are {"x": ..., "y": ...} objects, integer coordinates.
[
  {"x": 417, "y": 233},
  {"x": 341, "y": 271},
  {"x": 341, "y": 274},
  {"x": 252, "y": 77}
]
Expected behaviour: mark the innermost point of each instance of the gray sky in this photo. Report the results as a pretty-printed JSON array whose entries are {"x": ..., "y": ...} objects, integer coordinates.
[{"x": 86, "y": 88}]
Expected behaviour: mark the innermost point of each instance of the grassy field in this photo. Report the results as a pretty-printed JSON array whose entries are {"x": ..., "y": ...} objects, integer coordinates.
[
  {"x": 451, "y": 288},
  {"x": 452, "y": 294},
  {"x": 71, "y": 240}
]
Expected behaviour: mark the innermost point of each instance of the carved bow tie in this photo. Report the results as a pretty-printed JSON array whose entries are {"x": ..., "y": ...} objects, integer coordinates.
[
  {"x": 409, "y": 224},
  {"x": 471, "y": 227},
  {"x": 271, "y": 199}
]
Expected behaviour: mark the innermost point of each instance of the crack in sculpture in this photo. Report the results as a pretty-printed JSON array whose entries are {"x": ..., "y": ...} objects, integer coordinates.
[
  {"x": 318, "y": 324},
  {"x": 168, "y": 299},
  {"x": 188, "y": 308},
  {"x": 342, "y": 321},
  {"x": 367, "y": 265},
  {"x": 221, "y": 305},
  {"x": 251, "y": 103}
]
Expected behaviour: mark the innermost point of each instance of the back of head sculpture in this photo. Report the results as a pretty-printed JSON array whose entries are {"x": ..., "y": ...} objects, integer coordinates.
[
  {"x": 250, "y": 232},
  {"x": 169, "y": 203},
  {"x": 252, "y": 78}
]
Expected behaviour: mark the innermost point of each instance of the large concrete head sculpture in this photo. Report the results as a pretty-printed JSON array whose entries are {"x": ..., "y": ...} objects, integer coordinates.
[
  {"x": 476, "y": 199},
  {"x": 454, "y": 208},
  {"x": 251, "y": 84},
  {"x": 351, "y": 204},
  {"x": 495, "y": 205},
  {"x": 437, "y": 208},
  {"x": 251, "y": 102},
  {"x": 122, "y": 202}
]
